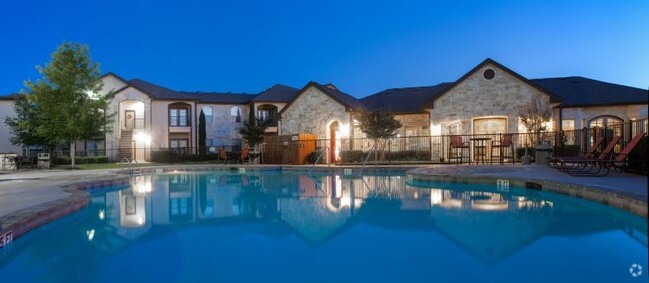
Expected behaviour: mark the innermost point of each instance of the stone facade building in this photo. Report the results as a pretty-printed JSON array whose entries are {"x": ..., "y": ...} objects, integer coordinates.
[{"x": 485, "y": 100}]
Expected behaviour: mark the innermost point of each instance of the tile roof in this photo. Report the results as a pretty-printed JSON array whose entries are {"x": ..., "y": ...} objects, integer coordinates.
[
  {"x": 579, "y": 91},
  {"x": 403, "y": 100},
  {"x": 276, "y": 93}
]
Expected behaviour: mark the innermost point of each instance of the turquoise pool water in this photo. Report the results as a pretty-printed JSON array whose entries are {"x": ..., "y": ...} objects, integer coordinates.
[{"x": 290, "y": 227}]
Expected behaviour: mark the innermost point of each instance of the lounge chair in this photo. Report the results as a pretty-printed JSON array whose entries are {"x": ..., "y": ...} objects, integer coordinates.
[
  {"x": 592, "y": 153},
  {"x": 620, "y": 159},
  {"x": 585, "y": 166}
]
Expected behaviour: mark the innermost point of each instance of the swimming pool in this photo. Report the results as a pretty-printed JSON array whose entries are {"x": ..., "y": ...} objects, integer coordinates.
[{"x": 292, "y": 227}]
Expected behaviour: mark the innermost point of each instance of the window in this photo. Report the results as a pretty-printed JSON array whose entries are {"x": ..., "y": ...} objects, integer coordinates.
[
  {"x": 95, "y": 148},
  {"x": 178, "y": 145},
  {"x": 178, "y": 116},
  {"x": 268, "y": 112},
  {"x": 207, "y": 111},
  {"x": 488, "y": 126},
  {"x": 235, "y": 114},
  {"x": 568, "y": 125}
]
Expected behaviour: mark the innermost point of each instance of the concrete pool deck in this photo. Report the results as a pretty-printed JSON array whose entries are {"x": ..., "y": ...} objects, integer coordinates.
[{"x": 31, "y": 198}]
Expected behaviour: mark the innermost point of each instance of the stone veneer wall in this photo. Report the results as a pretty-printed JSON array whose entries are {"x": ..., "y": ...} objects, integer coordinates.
[
  {"x": 311, "y": 113},
  {"x": 477, "y": 97},
  {"x": 222, "y": 130}
]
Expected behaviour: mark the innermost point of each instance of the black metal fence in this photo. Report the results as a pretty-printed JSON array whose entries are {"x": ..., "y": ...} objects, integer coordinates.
[{"x": 486, "y": 148}]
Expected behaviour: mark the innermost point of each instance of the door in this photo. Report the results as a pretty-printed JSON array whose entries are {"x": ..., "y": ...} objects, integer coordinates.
[{"x": 129, "y": 119}]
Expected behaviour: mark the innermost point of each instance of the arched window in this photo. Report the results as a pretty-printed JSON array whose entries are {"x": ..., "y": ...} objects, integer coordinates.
[
  {"x": 207, "y": 111},
  {"x": 235, "y": 114},
  {"x": 268, "y": 112},
  {"x": 604, "y": 121}
]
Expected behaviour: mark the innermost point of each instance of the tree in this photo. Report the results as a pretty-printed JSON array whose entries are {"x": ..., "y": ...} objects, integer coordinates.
[
  {"x": 534, "y": 115},
  {"x": 253, "y": 130},
  {"x": 67, "y": 98},
  {"x": 379, "y": 125},
  {"x": 24, "y": 125},
  {"x": 202, "y": 135}
]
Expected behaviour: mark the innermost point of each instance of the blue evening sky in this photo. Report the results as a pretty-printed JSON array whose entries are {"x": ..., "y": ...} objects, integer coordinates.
[{"x": 361, "y": 46}]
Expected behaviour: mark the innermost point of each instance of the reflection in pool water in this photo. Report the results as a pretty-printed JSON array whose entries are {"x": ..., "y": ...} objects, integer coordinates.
[{"x": 292, "y": 227}]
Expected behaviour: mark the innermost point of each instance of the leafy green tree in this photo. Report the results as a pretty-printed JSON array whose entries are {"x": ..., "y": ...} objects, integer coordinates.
[
  {"x": 68, "y": 99},
  {"x": 380, "y": 126},
  {"x": 253, "y": 130},
  {"x": 202, "y": 135},
  {"x": 24, "y": 125}
]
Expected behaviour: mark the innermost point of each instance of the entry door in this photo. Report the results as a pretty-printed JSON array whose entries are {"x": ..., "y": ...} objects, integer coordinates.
[{"x": 129, "y": 119}]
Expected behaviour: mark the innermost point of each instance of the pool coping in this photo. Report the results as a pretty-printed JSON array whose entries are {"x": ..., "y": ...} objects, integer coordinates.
[
  {"x": 600, "y": 195},
  {"x": 22, "y": 221}
]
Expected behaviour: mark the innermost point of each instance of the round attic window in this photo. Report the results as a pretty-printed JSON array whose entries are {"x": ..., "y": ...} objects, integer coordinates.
[{"x": 489, "y": 74}]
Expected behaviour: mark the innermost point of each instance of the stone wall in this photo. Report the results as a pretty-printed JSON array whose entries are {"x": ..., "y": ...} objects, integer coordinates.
[
  {"x": 312, "y": 112},
  {"x": 223, "y": 128},
  {"x": 477, "y": 96}
]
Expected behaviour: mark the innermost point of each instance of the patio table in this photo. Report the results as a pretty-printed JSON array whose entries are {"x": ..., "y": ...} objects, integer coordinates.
[{"x": 479, "y": 153}]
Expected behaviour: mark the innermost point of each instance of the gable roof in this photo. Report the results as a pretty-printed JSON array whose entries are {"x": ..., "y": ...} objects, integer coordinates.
[
  {"x": 276, "y": 93},
  {"x": 403, "y": 100},
  {"x": 553, "y": 98},
  {"x": 346, "y": 100},
  {"x": 163, "y": 93},
  {"x": 579, "y": 91}
]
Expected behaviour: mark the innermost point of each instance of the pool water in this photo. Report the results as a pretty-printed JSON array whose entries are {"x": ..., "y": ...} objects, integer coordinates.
[{"x": 290, "y": 227}]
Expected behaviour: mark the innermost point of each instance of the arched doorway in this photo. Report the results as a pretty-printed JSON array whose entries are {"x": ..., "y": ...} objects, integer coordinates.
[{"x": 334, "y": 141}]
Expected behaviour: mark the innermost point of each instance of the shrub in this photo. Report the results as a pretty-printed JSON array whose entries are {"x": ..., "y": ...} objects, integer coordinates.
[
  {"x": 352, "y": 156},
  {"x": 165, "y": 156},
  {"x": 520, "y": 152},
  {"x": 65, "y": 160},
  {"x": 311, "y": 158}
]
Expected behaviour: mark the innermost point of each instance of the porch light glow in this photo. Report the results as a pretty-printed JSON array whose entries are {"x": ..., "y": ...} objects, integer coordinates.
[
  {"x": 344, "y": 130},
  {"x": 138, "y": 107},
  {"x": 436, "y": 129},
  {"x": 143, "y": 138}
]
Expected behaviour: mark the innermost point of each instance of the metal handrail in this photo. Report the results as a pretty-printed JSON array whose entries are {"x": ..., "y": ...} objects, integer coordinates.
[
  {"x": 373, "y": 149},
  {"x": 318, "y": 159}
]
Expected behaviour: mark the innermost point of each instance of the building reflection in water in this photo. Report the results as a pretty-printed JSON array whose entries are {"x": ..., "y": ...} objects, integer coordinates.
[{"x": 316, "y": 208}]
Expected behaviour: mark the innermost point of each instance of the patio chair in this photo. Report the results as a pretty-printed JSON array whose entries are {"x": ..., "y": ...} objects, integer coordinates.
[
  {"x": 500, "y": 146},
  {"x": 585, "y": 166},
  {"x": 245, "y": 155},
  {"x": 223, "y": 155},
  {"x": 457, "y": 149}
]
